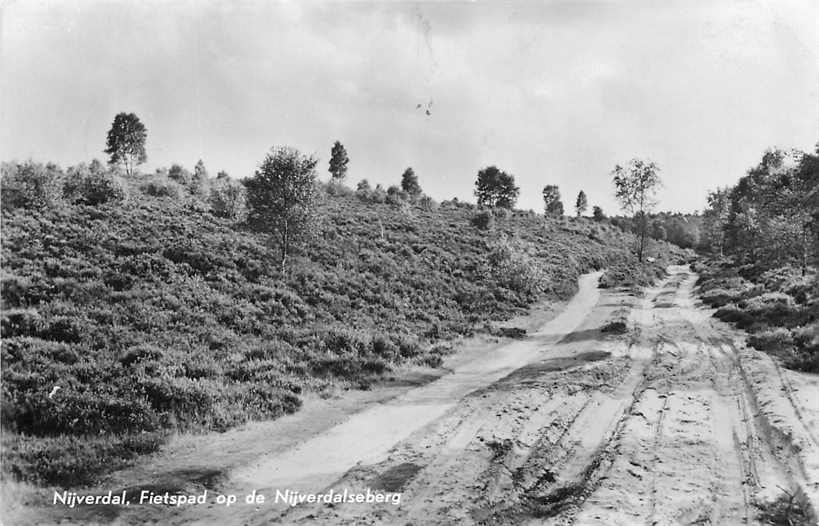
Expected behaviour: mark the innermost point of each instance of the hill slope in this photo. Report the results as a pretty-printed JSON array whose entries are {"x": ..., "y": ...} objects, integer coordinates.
[{"x": 124, "y": 322}]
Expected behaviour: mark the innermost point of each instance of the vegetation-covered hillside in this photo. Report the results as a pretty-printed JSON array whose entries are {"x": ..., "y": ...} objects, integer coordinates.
[{"x": 127, "y": 318}]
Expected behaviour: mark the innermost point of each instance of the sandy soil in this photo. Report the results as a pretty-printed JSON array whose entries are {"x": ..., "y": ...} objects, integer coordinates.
[{"x": 673, "y": 422}]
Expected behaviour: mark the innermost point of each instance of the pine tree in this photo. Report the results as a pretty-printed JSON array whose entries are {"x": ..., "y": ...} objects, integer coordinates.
[
  {"x": 409, "y": 183},
  {"x": 582, "y": 203},
  {"x": 338, "y": 162}
]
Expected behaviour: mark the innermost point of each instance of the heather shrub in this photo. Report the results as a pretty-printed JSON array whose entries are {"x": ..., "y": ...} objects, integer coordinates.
[
  {"x": 139, "y": 353},
  {"x": 227, "y": 199},
  {"x": 719, "y": 297},
  {"x": 502, "y": 213},
  {"x": 733, "y": 314},
  {"x": 631, "y": 274},
  {"x": 337, "y": 189},
  {"x": 377, "y": 195},
  {"x": 769, "y": 300},
  {"x": 396, "y": 196},
  {"x": 483, "y": 220},
  {"x": 30, "y": 185},
  {"x": 513, "y": 268},
  {"x": 776, "y": 339},
  {"x": 180, "y": 175},
  {"x": 159, "y": 186},
  {"x": 427, "y": 203},
  {"x": 84, "y": 185},
  {"x": 806, "y": 353},
  {"x": 776, "y": 308},
  {"x": 69, "y": 461}
]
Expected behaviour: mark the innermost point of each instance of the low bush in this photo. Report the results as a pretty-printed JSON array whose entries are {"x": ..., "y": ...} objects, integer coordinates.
[
  {"x": 777, "y": 339},
  {"x": 806, "y": 348},
  {"x": 427, "y": 203},
  {"x": 778, "y": 306},
  {"x": 161, "y": 187},
  {"x": 30, "y": 185},
  {"x": 396, "y": 196},
  {"x": 92, "y": 186},
  {"x": 483, "y": 220},
  {"x": 337, "y": 189},
  {"x": 719, "y": 297},
  {"x": 734, "y": 314},
  {"x": 618, "y": 324},
  {"x": 69, "y": 461},
  {"x": 227, "y": 199},
  {"x": 632, "y": 274},
  {"x": 514, "y": 268}
]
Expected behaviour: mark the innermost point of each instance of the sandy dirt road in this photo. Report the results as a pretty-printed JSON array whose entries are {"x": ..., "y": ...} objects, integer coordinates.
[{"x": 672, "y": 422}]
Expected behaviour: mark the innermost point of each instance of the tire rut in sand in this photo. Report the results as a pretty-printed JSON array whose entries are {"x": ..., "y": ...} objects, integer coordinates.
[
  {"x": 708, "y": 460},
  {"x": 587, "y": 453}
]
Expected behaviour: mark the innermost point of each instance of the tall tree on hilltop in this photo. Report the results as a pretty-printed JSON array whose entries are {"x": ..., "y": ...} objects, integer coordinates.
[
  {"x": 338, "y": 162},
  {"x": 582, "y": 204},
  {"x": 126, "y": 142},
  {"x": 281, "y": 198},
  {"x": 552, "y": 205},
  {"x": 496, "y": 188},
  {"x": 636, "y": 186},
  {"x": 409, "y": 183}
]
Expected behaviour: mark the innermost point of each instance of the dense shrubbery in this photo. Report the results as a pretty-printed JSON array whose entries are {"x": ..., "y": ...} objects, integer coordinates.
[
  {"x": 92, "y": 185},
  {"x": 513, "y": 267},
  {"x": 779, "y": 307},
  {"x": 484, "y": 220},
  {"x": 227, "y": 199},
  {"x": 161, "y": 186},
  {"x": 30, "y": 185},
  {"x": 128, "y": 319}
]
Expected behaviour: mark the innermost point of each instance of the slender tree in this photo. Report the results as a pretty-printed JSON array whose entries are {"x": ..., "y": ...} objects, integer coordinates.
[
  {"x": 715, "y": 219},
  {"x": 199, "y": 179},
  {"x": 199, "y": 171},
  {"x": 409, "y": 183},
  {"x": 582, "y": 204},
  {"x": 552, "y": 205},
  {"x": 281, "y": 198},
  {"x": 126, "y": 142},
  {"x": 338, "y": 162},
  {"x": 636, "y": 186}
]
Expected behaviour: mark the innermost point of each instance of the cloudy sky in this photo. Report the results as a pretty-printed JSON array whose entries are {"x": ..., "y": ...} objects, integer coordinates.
[{"x": 553, "y": 92}]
